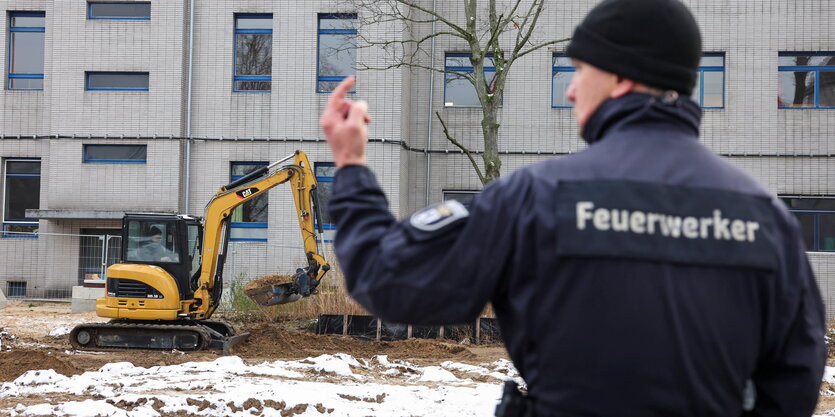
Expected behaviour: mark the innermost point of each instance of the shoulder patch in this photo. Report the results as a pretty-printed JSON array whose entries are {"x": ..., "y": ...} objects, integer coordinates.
[{"x": 439, "y": 215}]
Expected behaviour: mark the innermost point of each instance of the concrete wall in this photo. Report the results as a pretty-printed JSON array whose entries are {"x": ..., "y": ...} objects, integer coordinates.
[{"x": 751, "y": 34}]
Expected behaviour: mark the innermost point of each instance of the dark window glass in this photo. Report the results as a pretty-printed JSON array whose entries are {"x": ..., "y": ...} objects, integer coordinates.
[
  {"x": 115, "y": 153},
  {"x": 337, "y": 54},
  {"x": 26, "y": 50},
  {"x": 16, "y": 288},
  {"x": 253, "y": 53},
  {"x": 126, "y": 81},
  {"x": 810, "y": 203},
  {"x": 22, "y": 190},
  {"x": 463, "y": 197},
  {"x": 324, "y": 180},
  {"x": 254, "y": 210},
  {"x": 807, "y": 227},
  {"x": 806, "y": 80},
  {"x": 458, "y": 91},
  {"x": 120, "y": 10},
  {"x": 827, "y": 231}
]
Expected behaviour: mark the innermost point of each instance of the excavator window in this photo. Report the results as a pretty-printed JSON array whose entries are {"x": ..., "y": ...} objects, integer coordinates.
[
  {"x": 152, "y": 241},
  {"x": 194, "y": 248}
]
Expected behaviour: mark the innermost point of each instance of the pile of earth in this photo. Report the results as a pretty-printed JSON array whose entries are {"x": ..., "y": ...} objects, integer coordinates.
[{"x": 16, "y": 362}]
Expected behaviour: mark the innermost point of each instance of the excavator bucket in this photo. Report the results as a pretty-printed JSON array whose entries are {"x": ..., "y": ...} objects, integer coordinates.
[{"x": 276, "y": 289}]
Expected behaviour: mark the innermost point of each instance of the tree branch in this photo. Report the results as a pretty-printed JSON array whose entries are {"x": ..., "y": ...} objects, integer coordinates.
[
  {"x": 540, "y": 46},
  {"x": 462, "y": 147}
]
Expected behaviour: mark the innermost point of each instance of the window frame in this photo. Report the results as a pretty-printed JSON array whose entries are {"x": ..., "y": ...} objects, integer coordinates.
[
  {"x": 11, "y": 290},
  {"x": 319, "y": 33},
  {"x": 10, "y": 49},
  {"x": 807, "y": 68},
  {"x": 555, "y": 69},
  {"x": 236, "y": 32},
  {"x": 711, "y": 68},
  {"x": 470, "y": 69},
  {"x": 87, "y": 160},
  {"x": 816, "y": 212},
  {"x": 91, "y": 17},
  {"x": 246, "y": 225},
  {"x": 87, "y": 75},
  {"x": 3, "y": 221}
]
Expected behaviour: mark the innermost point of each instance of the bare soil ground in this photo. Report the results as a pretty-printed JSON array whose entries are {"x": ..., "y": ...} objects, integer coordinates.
[{"x": 27, "y": 345}]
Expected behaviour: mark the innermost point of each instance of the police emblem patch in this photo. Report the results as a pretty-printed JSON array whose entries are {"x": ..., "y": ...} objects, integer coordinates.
[{"x": 438, "y": 215}]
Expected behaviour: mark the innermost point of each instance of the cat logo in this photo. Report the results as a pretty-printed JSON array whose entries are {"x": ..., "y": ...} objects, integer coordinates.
[{"x": 247, "y": 192}]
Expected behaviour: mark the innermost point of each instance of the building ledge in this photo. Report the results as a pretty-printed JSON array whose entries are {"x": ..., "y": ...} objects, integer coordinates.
[{"x": 75, "y": 214}]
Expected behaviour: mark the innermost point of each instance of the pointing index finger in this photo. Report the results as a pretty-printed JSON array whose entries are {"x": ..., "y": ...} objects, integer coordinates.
[{"x": 340, "y": 92}]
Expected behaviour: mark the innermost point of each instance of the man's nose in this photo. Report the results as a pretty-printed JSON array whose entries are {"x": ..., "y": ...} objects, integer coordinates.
[{"x": 569, "y": 93}]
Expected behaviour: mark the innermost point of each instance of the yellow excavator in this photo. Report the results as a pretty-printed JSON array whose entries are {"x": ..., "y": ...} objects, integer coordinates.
[{"x": 170, "y": 280}]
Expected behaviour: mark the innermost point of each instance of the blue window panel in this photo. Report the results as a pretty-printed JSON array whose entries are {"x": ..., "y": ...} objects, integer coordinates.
[
  {"x": 117, "y": 81},
  {"x": 101, "y": 10},
  {"x": 336, "y": 57},
  {"x": 562, "y": 71},
  {"x": 120, "y": 154},
  {"x": 26, "y": 50},
  {"x": 709, "y": 91},
  {"x": 21, "y": 191},
  {"x": 248, "y": 221},
  {"x": 253, "y": 53},
  {"x": 248, "y": 232},
  {"x": 806, "y": 80},
  {"x": 325, "y": 171},
  {"x": 458, "y": 91}
]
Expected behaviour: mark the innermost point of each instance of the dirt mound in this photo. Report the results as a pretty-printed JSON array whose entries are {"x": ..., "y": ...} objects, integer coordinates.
[
  {"x": 260, "y": 289},
  {"x": 15, "y": 363},
  {"x": 275, "y": 340}
]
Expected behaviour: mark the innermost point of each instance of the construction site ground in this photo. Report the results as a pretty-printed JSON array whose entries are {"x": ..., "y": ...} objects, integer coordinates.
[{"x": 33, "y": 336}]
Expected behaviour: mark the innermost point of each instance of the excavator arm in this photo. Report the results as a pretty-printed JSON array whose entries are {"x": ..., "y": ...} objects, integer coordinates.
[{"x": 302, "y": 180}]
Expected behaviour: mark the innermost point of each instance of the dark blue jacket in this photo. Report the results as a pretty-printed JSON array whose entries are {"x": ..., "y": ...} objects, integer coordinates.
[{"x": 643, "y": 276}]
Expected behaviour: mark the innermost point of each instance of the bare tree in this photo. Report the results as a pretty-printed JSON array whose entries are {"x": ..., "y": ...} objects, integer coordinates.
[{"x": 491, "y": 33}]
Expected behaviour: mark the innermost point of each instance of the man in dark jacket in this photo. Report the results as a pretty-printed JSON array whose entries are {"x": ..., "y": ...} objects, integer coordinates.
[{"x": 642, "y": 276}]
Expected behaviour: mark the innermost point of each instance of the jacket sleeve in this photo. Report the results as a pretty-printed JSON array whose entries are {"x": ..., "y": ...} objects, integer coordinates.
[
  {"x": 789, "y": 373},
  {"x": 406, "y": 274}
]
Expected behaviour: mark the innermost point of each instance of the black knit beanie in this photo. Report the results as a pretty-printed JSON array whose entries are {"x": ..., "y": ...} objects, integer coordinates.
[{"x": 654, "y": 42}]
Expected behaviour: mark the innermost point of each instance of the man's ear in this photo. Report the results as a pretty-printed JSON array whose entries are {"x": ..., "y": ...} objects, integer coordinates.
[{"x": 623, "y": 86}]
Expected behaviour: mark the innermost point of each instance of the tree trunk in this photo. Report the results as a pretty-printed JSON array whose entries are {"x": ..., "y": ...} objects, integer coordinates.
[{"x": 490, "y": 129}]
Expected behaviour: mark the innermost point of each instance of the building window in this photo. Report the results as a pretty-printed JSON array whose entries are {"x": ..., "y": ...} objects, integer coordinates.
[
  {"x": 325, "y": 172},
  {"x": 117, "y": 81},
  {"x": 337, "y": 50},
  {"x": 119, "y": 154},
  {"x": 458, "y": 91},
  {"x": 710, "y": 82},
  {"x": 253, "y": 53},
  {"x": 21, "y": 191},
  {"x": 99, "y": 10},
  {"x": 817, "y": 221},
  {"x": 464, "y": 197},
  {"x": 249, "y": 221},
  {"x": 806, "y": 80},
  {"x": 26, "y": 50},
  {"x": 16, "y": 288},
  {"x": 562, "y": 71}
]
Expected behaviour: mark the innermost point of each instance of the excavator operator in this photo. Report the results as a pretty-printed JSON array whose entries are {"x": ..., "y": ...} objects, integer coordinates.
[{"x": 642, "y": 276}]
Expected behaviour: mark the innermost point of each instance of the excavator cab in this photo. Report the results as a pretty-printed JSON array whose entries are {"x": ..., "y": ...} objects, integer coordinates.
[{"x": 171, "y": 242}]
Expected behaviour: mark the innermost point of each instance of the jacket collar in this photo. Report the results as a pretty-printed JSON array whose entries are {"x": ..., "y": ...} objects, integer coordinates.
[{"x": 640, "y": 109}]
